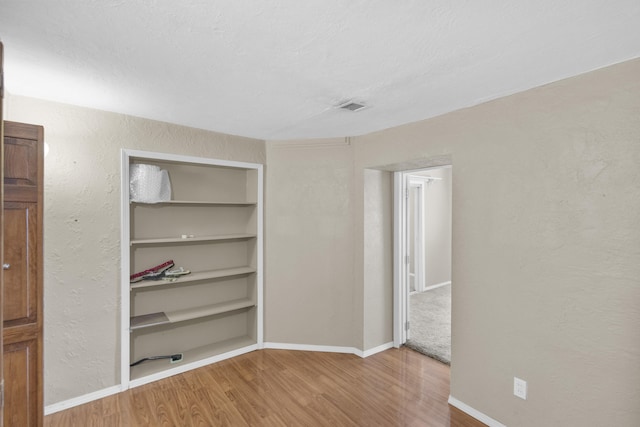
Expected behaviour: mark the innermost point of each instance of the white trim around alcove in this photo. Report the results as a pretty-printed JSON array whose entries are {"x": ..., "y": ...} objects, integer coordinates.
[{"x": 126, "y": 155}]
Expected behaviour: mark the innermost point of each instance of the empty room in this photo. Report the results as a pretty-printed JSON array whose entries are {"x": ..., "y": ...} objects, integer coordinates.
[{"x": 205, "y": 212}]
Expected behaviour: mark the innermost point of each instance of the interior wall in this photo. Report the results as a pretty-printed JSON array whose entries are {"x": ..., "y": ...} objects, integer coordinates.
[
  {"x": 378, "y": 249},
  {"x": 437, "y": 227},
  {"x": 82, "y": 230},
  {"x": 546, "y": 246},
  {"x": 310, "y": 296}
]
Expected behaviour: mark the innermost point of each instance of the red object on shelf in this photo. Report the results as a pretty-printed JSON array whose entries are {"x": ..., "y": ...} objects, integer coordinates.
[{"x": 153, "y": 271}]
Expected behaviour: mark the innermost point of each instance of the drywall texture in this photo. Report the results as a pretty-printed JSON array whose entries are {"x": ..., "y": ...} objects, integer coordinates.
[
  {"x": 437, "y": 227},
  {"x": 82, "y": 230},
  {"x": 309, "y": 246},
  {"x": 377, "y": 288},
  {"x": 314, "y": 296},
  {"x": 546, "y": 246}
]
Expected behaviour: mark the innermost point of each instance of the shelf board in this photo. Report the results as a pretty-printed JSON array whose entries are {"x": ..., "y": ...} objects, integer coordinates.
[
  {"x": 194, "y": 277},
  {"x": 164, "y": 318},
  {"x": 195, "y": 203},
  {"x": 195, "y": 355},
  {"x": 239, "y": 236},
  {"x": 147, "y": 320}
]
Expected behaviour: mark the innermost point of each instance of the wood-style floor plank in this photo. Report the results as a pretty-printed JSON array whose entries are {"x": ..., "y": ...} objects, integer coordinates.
[{"x": 397, "y": 387}]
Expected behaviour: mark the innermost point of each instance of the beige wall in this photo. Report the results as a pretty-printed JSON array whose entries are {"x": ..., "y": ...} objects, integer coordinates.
[
  {"x": 546, "y": 243},
  {"x": 328, "y": 270},
  {"x": 437, "y": 227},
  {"x": 309, "y": 271},
  {"x": 377, "y": 283},
  {"x": 546, "y": 246},
  {"x": 82, "y": 230}
]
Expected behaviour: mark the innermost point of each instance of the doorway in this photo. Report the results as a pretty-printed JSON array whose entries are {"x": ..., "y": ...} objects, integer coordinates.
[{"x": 422, "y": 253}]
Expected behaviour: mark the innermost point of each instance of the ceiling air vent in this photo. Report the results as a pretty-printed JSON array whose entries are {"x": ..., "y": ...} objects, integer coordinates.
[{"x": 352, "y": 106}]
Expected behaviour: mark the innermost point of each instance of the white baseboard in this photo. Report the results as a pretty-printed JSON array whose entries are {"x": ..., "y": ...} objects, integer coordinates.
[
  {"x": 81, "y": 400},
  {"x": 474, "y": 413},
  {"x": 328, "y": 348},
  {"x": 436, "y": 286},
  {"x": 308, "y": 347},
  {"x": 375, "y": 350}
]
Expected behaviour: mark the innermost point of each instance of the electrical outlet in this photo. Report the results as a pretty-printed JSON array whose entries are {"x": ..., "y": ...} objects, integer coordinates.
[{"x": 520, "y": 388}]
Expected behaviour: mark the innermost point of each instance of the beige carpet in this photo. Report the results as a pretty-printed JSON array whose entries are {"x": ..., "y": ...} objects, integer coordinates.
[{"x": 430, "y": 321}]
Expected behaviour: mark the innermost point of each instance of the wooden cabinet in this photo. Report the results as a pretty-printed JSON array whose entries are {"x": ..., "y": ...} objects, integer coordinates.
[
  {"x": 22, "y": 273},
  {"x": 212, "y": 226}
]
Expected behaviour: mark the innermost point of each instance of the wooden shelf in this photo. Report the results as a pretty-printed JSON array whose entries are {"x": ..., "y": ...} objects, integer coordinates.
[
  {"x": 239, "y": 236},
  {"x": 194, "y": 203},
  {"x": 152, "y": 367},
  {"x": 194, "y": 277},
  {"x": 164, "y": 318}
]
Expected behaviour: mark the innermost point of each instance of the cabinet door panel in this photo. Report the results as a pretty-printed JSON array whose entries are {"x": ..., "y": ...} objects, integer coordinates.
[
  {"x": 21, "y": 406},
  {"x": 20, "y": 252},
  {"x": 20, "y": 161}
]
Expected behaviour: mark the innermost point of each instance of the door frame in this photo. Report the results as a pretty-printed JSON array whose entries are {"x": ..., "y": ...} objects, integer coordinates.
[{"x": 401, "y": 182}]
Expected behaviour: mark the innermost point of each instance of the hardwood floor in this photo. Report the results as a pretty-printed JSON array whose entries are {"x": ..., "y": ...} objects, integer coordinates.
[{"x": 397, "y": 387}]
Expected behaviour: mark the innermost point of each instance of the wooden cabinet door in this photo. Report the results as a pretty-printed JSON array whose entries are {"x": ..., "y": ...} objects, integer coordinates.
[
  {"x": 22, "y": 274},
  {"x": 21, "y": 394},
  {"x": 20, "y": 258}
]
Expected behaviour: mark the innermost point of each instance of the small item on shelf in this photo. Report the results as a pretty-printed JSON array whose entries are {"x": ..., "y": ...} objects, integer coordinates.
[
  {"x": 180, "y": 271},
  {"x": 153, "y": 272},
  {"x": 172, "y": 275},
  {"x": 148, "y": 184},
  {"x": 160, "y": 272},
  {"x": 188, "y": 236},
  {"x": 174, "y": 358}
]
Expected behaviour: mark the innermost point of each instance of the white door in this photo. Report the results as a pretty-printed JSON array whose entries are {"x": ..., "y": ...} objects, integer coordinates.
[{"x": 408, "y": 249}]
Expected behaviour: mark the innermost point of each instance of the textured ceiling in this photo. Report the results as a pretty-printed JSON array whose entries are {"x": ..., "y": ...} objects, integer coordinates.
[{"x": 276, "y": 69}]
